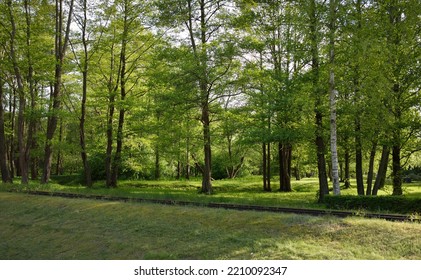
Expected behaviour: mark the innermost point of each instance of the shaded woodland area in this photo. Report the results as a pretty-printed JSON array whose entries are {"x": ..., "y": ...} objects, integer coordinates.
[{"x": 212, "y": 89}]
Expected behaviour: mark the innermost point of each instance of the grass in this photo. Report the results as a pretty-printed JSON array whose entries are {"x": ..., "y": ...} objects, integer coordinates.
[
  {"x": 35, "y": 227},
  {"x": 241, "y": 191}
]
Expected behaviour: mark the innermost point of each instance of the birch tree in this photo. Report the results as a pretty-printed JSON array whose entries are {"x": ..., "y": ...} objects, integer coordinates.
[{"x": 333, "y": 95}]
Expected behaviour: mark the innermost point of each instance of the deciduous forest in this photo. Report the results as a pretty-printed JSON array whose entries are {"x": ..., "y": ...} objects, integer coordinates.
[{"x": 185, "y": 89}]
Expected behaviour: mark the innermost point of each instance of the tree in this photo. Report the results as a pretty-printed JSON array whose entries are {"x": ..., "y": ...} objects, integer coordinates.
[
  {"x": 4, "y": 169},
  {"x": 210, "y": 59},
  {"x": 401, "y": 22},
  {"x": 274, "y": 43},
  {"x": 333, "y": 96},
  {"x": 123, "y": 54},
  {"x": 313, "y": 12},
  {"x": 62, "y": 33},
  {"x": 231, "y": 126},
  {"x": 83, "y": 62},
  {"x": 20, "y": 89}
]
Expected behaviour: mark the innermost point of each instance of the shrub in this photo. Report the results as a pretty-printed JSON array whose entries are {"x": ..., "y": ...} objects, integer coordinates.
[
  {"x": 397, "y": 204},
  {"x": 97, "y": 165}
]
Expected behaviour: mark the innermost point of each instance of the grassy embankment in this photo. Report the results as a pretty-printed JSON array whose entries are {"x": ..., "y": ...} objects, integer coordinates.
[
  {"x": 35, "y": 227},
  {"x": 241, "y": 191}
]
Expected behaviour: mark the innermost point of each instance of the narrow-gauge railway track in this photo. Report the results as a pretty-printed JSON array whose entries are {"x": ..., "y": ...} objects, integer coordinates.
[{"x": 274, "y": 209}]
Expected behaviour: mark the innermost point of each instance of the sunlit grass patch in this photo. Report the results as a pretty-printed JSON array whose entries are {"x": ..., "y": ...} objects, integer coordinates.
[
  {"x": 246, "y": 190},
  {"x": 35, "y": 227}
]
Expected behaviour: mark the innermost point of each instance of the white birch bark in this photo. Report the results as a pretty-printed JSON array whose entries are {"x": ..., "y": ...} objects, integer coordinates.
[
  {"x": 333, "y": 95},
  {"x": 333, "y": 137}
]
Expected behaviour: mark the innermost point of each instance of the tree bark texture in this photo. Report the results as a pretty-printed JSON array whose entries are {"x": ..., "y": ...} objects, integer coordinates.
[
  {"x": 371, "y": 168},
  {"x": 109, "y": 149},
  {"x": 396, "y": 149},
  {"x": 285, "y": 153},
  {"x": 158, "y": 167},
  {"x": 5, "y": 173},
  {"x": 333, "y": 96},
  {"x": 265, "y": 188},
  {"x": 347, "y": 175},
  {"x": 396, "y": 170},
  {"x": 358, "y": 157},
  {"x": 207, "y": 168},
  {"x": 382, "y": 170},
  {"x": 357, "y": 122}
]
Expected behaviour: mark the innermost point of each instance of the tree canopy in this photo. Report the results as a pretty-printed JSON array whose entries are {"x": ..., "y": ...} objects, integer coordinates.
[{"x": 211, "y": 89}]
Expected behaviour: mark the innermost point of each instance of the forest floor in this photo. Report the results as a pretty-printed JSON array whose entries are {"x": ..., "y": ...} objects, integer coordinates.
[{"x": 40, "y": 227}]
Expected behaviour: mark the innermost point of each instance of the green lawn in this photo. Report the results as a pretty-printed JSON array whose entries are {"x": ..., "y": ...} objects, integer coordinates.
[
  {"x": 35, "y": 227},
  {"x": 241, "y": 191}
]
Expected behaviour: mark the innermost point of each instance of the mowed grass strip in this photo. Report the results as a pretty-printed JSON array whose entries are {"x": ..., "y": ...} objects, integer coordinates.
[
  {"x": 245, "y": 191},
  {"x": 33, "y": 227}
]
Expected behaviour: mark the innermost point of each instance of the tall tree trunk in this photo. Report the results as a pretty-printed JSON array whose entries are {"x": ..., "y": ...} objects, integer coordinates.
[
  {"x": 34, "y": 160},
  {"x": 86, "y": 168},
  {"x": 5, "y": 174},
  {"x": 264, "y": 167},
  {"x": 60, "y": 51},
  {"x": 23, "y": 167},
  {"x": 358, "y": 157},
  {"x": 188, "y": 168},
  {"x": 119, "y": 147},
  {"x": 207, "y": 171},
  {"x": 333, "y": 96},
  {"x": 83, "y": 154},
  {"x": 315, "y": 68},
  {"x": 268, "y": 168},
  {"x": 382, "y": 170},
  {"x": 371, "y": 168},
  {"x": 179, "y": 168},
  {"x": 357, "y": 97},
  {"x": 59, "y": 163},
  {"x": 396, "y": 149},
  {"x": 347, "y": 175},
  {"x": 396, "y": 170},
  {"x": 28, "y": 161},
  {"x": 109, "y": 150},
  {"x": 158, "y": 167},
  {"x": 284, "y": 167},
  {"x": 12, "y": 108},
  {"x": 112, "y": 87}
]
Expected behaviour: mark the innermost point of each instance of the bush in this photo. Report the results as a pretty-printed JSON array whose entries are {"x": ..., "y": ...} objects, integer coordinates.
[
  {"x": 129, "y": 169},
  {"x": 414, "y": 177},
  {"x": 97, "y": 165},
  {"x": 397, "y": 204}
]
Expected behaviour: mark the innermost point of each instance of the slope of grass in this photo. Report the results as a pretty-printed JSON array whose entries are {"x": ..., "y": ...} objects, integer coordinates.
[
  {"x": 240, "y": 191},
  {"x": 35, "y": 227}
]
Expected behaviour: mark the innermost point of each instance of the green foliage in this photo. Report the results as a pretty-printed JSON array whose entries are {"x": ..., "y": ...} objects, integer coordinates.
[
  {"x": 395, "y": 204},
  {"x": 97, "y": 165},
  {"x": 257, "y": 66}
]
